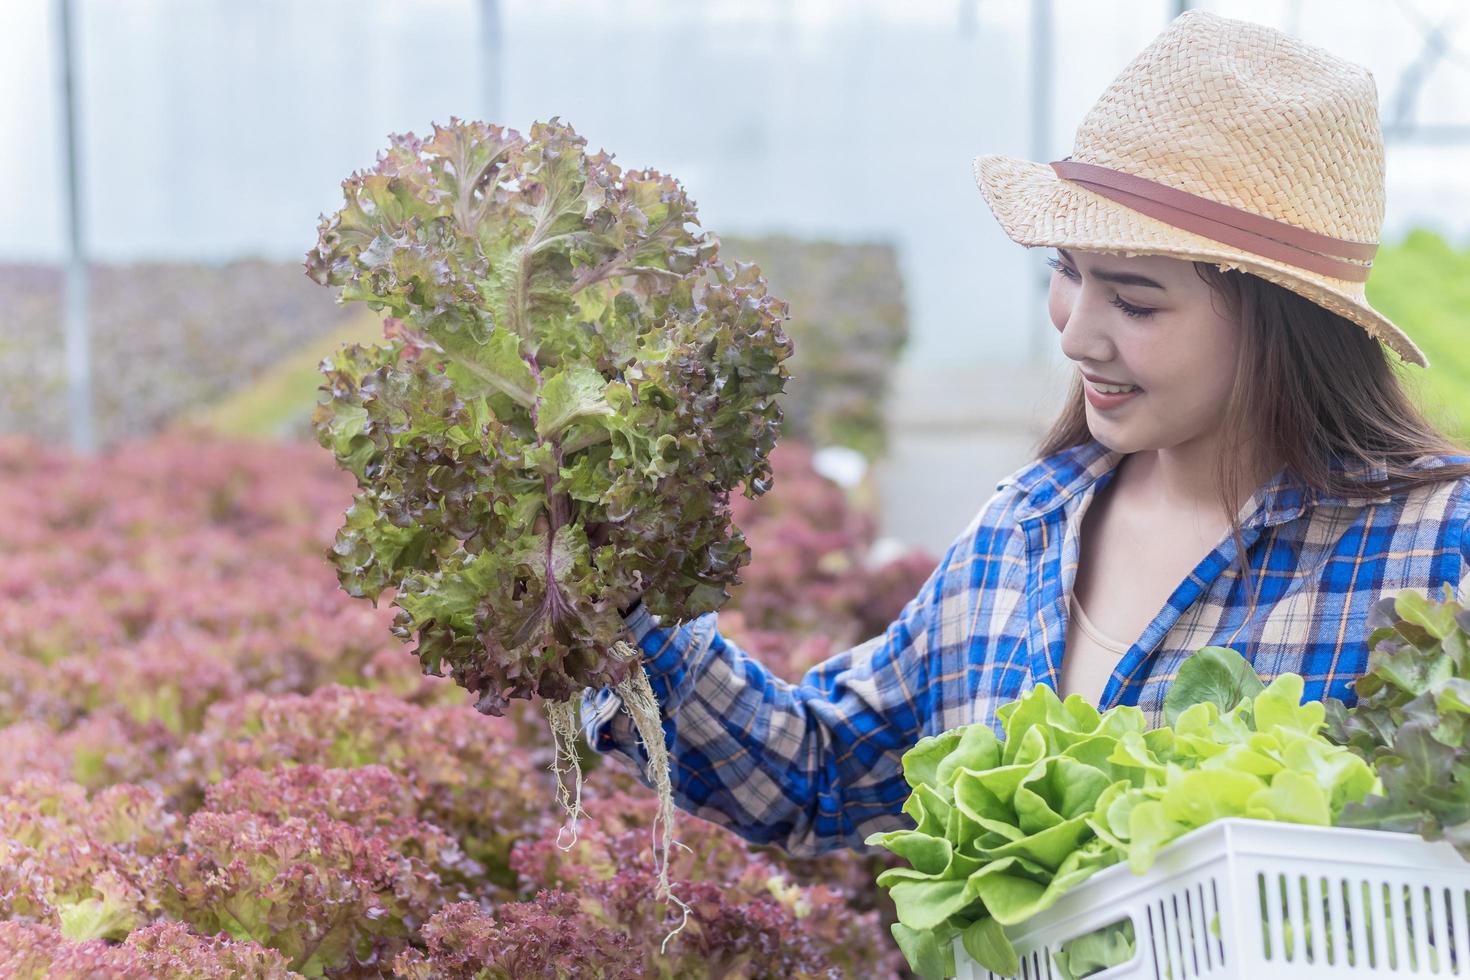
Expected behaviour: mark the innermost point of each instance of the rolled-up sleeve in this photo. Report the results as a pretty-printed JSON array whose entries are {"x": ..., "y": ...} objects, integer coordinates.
[{"x": 811, "y": 766}]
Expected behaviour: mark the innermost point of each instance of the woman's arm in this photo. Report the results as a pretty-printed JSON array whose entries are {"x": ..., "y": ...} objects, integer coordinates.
[{"x": 810, "y": 766}]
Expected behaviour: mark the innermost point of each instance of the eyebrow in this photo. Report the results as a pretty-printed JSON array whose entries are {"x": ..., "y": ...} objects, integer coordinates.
[{"x": 1120, "y": 278}]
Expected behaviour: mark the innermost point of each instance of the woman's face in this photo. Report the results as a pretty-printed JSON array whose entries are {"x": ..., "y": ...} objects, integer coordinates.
[{"x": 1167, "y": 338}]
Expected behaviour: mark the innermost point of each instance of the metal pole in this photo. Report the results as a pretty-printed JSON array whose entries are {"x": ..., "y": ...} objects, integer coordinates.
[
  {"x": 491, "y": 61},
  {"x": 78, "y": 339},
  {"x": 1041, "y": 149}
]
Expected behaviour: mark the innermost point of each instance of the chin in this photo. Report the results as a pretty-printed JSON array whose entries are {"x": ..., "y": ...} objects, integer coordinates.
[{"x": 1114, "y": 440}]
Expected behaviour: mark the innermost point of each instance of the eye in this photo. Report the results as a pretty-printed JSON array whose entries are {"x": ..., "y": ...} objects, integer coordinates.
[
  {"x": 1129, "y": 310},
  {"x": 1066, "y": 273}
]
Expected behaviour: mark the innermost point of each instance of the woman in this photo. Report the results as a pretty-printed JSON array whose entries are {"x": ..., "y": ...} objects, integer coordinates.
[{"x": 1238, "y": 465}]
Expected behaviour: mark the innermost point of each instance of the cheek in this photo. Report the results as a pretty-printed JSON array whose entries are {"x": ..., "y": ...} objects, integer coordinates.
[
  {"x": 1211, "y": 361},
  {"x": 1057, "y": 304},
  {"x": 1191, "y": 381}
]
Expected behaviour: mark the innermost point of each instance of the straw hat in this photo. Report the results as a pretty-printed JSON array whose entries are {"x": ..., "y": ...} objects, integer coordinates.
[{"x": 1226, "y": 142}]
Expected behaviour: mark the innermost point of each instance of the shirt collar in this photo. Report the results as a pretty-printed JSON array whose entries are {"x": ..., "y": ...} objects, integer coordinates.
[{"x": 1053, "y": 481}]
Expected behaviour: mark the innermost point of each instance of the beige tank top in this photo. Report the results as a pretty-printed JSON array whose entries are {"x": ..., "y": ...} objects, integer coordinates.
[{"x": 1090, "y": 657}]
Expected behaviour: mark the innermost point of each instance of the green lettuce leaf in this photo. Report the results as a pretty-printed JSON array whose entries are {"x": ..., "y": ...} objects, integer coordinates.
[
  {"x": 1292, "y": 797},
  {"x": 986, "y": 941},
  {"x": 1101, "y": 949},
  {"x": 930, "y": 952},
  {"x": 1218, "y": 675}
]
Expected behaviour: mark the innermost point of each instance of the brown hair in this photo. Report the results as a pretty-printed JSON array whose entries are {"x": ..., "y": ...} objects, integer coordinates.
[{"x": 1316, "y": 385}]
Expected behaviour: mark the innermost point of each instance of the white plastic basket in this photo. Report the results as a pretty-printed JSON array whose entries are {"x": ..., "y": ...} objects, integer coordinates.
[{"x": 1290, "y": 902}]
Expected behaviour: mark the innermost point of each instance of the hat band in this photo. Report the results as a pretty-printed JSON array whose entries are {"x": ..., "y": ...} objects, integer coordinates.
[{"x": 1222, "y": 223}]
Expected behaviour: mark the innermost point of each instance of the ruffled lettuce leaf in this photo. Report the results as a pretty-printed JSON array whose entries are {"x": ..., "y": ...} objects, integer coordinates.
[
  {"x": 1410, "y": 722},
  {"x": 572, "y": 387}
]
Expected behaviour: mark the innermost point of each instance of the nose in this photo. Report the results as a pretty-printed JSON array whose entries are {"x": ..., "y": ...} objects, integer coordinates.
[{"x": 1080, "y": 316}]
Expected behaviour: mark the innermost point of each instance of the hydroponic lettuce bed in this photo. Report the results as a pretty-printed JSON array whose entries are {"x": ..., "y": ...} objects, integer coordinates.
[{"x": 215, "y": 764}]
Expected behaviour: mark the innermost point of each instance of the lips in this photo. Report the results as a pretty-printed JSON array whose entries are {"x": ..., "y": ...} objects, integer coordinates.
[
  {"x": 1107, "y": 381},
  {"x": 1105, "y": 402}
]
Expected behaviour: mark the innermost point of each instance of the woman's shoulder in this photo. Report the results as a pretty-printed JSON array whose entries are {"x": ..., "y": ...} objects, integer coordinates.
[
  {"x": 1367, "y": 480},
  {"x": 1453, "y": 489},
  {"x": 1447, "y": 500},
  {"x": 1409, "y": 521},
  {"x": 1440, "y": 460}
]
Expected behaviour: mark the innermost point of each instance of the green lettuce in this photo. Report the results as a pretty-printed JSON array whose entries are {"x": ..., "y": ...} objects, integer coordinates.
[
  {"x": 1215, "y": 674},
  {"x": 1003, "y": 827}
]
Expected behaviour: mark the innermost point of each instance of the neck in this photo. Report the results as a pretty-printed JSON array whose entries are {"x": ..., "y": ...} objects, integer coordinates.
[{"x": 1182, "y": 479}]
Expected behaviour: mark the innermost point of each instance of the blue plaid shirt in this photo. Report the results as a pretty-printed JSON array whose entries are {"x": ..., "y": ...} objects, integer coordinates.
[{"x": 815, "y": 765}]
